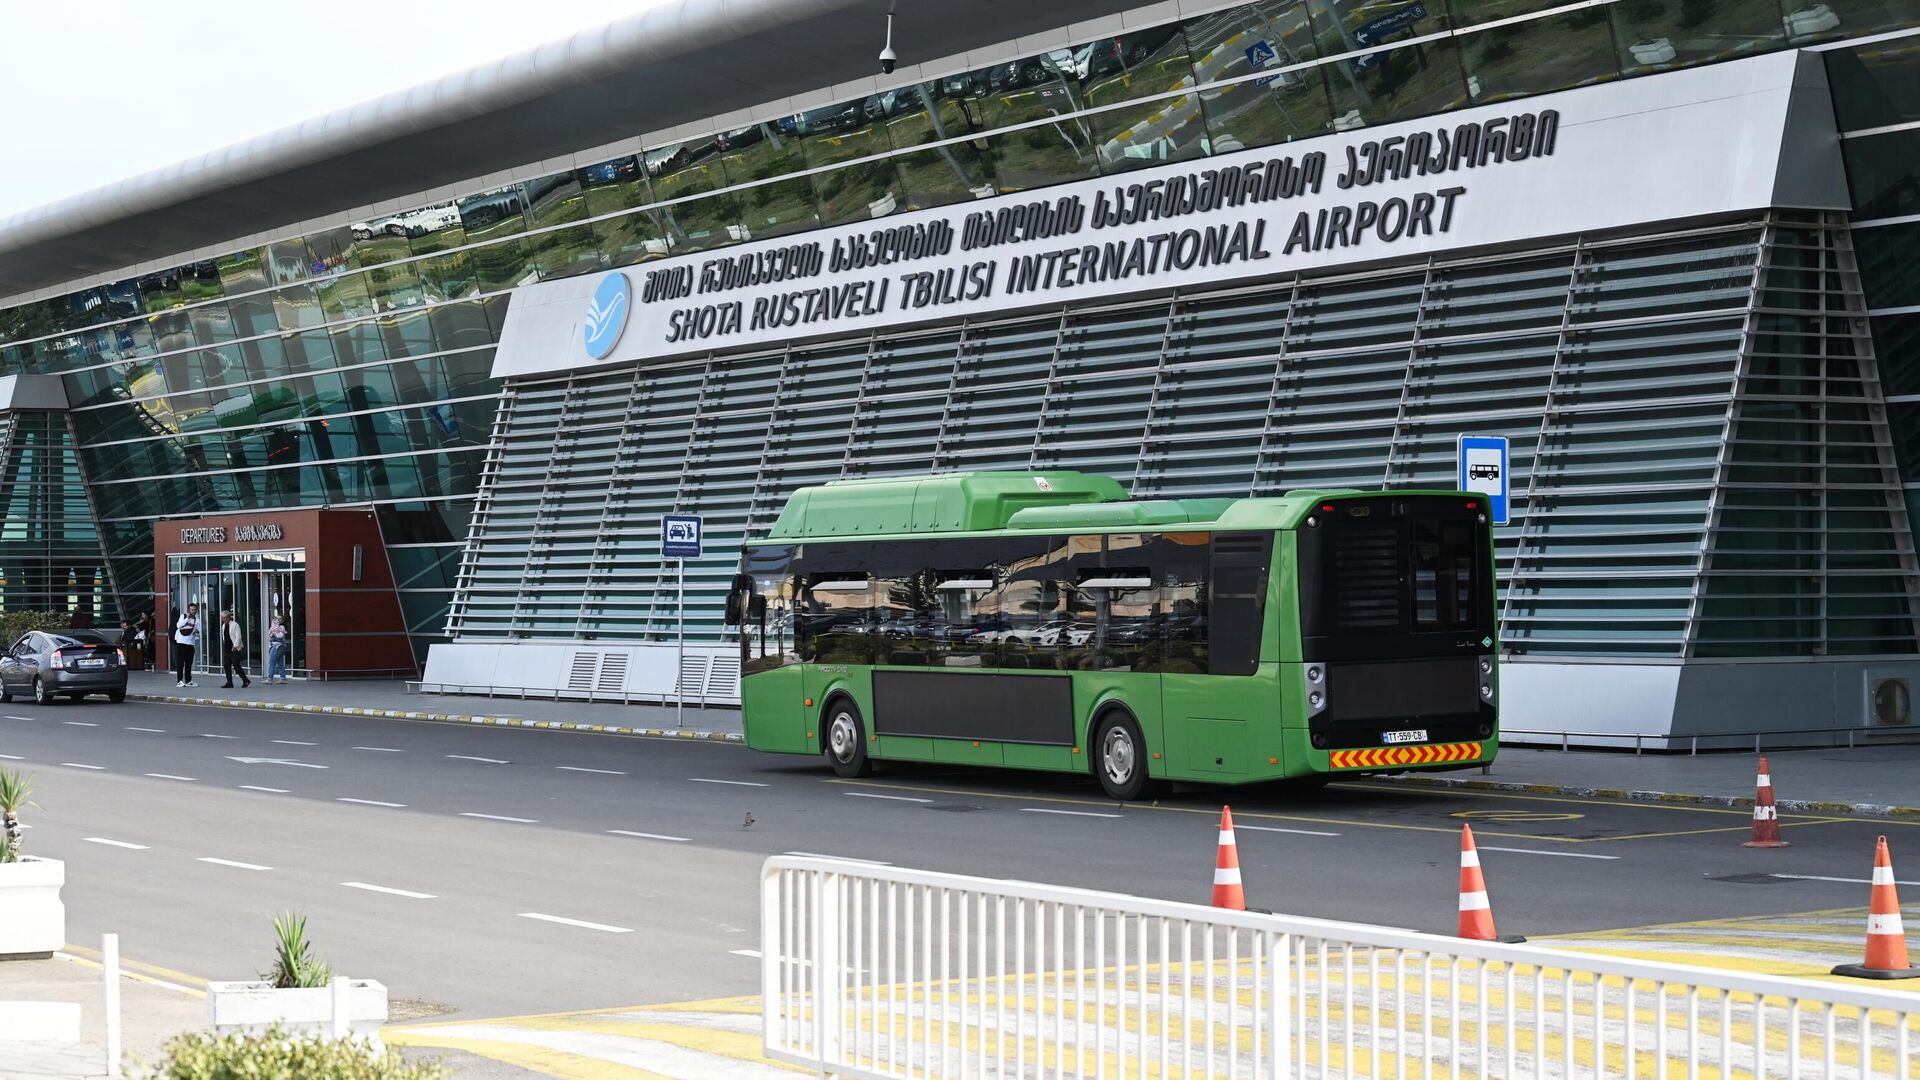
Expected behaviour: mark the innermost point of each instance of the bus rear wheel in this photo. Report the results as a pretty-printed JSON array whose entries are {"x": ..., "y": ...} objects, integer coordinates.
[
  {"x": 847, "y": 740},
  {"x": 1119, "y": 757}
]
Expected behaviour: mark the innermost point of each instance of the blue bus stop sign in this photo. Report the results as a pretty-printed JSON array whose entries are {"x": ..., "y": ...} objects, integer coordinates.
[
  {"x": 680, "y": 536},
  {"x": 1484, "y": 468}
]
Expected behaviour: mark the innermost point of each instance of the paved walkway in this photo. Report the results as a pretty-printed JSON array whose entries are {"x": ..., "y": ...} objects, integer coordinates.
[
  {"x": 152, "y": 1012},
  {"x": 1876, "y": 780},
  {"x": 383, "y": 697}
]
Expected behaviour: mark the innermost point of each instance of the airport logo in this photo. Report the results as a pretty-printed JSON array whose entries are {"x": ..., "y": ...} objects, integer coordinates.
[{"x": 607, "y": 315}]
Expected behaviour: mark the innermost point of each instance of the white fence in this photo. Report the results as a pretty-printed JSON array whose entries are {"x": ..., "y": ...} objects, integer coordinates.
[{"x": 874, "y": 971}]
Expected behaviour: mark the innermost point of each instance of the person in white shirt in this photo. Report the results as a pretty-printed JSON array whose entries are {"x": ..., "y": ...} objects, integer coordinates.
[{"x": 186, "y": 638}]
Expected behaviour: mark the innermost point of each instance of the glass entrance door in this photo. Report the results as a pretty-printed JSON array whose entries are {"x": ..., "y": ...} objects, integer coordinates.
[{"x": 255, "y": 587}]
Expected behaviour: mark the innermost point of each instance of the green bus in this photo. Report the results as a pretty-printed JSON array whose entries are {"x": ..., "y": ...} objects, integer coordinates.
[{"x": 1044, "y": 620}]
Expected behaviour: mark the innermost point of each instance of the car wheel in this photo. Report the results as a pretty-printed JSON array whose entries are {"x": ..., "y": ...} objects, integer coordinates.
[
  {"x": 6, "y": 693},
  {"x": 40, "y": 694},
  {"x": 1120, "y": 756},
  {"x": 847, "y": 740},
  {"x": 116, "y": 696}
]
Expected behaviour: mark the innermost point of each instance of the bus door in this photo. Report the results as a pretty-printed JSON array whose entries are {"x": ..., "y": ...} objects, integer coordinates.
[{"x": 1219, "y": 717}]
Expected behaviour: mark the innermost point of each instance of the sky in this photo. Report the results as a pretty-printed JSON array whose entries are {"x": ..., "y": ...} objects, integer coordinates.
[{"x": 99, "y": 90}]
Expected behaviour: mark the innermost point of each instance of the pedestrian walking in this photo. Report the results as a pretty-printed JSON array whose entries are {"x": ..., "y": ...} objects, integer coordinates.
[
  {"x": 186, "y": 637},
  {"x": 277, "y": 650},
  {"x": 233, "y": 650},
  {"x": 143, "y": 639}
]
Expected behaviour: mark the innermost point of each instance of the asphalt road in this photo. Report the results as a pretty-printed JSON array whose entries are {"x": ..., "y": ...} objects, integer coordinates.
[{"x": 501, "y": 871}]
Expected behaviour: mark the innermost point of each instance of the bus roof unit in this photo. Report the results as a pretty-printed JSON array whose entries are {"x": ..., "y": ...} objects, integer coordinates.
[{"x": 946, "y": 502}]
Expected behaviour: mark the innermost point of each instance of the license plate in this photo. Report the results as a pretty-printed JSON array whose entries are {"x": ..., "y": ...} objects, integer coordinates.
[
  {"x": 1416, "y": 735},
  {"x": 93, "y": 663}
]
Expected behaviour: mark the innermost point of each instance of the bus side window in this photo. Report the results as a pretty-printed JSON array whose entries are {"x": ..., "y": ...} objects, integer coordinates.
[{"x": 1238, "y": 610}]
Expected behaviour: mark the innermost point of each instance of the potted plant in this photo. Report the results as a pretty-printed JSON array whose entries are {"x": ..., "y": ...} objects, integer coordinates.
[
  {"x": 33, "y": 921},
  {"x": 296, "y": 996}
]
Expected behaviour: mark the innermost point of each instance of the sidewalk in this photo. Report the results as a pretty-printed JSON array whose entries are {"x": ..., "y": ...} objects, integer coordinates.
[
  {"x": 389, "y": 697},
  {"x": 1874, "y": 781},
  {"x": 151, "y": 1015}
]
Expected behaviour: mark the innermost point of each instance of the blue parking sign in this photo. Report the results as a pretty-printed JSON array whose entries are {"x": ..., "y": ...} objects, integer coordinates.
[
  {"x": 1484, "y": 468},
  {"x": 680, "y": 536}
]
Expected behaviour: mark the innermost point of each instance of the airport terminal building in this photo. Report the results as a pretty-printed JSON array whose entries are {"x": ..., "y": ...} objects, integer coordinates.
[{"x": 424, "y": 375}]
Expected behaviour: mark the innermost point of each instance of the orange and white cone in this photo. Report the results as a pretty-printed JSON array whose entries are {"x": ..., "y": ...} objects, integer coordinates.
[
  {"x": 1766, "y": 820},
  {"x": 1886, "y": 938},
  {"x": 1476, "y": 911},
  {"x": 1227, "y": 892}
]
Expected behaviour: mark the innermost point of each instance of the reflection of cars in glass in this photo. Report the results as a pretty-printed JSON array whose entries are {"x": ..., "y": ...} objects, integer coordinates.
[
  {"x": 73, "y": 663},
  {"x": 1653, "y": 51},
  {"x": 1814, "y": 19},
  {"x": 1073, "y": 633}
]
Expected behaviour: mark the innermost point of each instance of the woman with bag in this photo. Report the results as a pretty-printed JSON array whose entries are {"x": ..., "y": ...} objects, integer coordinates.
[{"x": 277, "y": 650}]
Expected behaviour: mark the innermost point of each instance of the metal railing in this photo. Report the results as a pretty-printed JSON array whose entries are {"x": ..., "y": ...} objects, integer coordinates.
[
  {"x": 1780, "y": 738},
  {"x": 876, "y": 971}
]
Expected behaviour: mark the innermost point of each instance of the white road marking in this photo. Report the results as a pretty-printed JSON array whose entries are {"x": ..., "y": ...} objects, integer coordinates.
[
  {"x": 736, "y": 783},
  {"x": 1068, "y": 813},
  {"x": 170, "y": 776},
  {"x": 273, "y": 761},
  {"x": 19, "y": 717},
  {"x": 78, "y": 723},
  {"x": 1842, "y": 880},
  {"x": 890, "y": 798},
  {"x": 649, "y": 835},
  {"x": 149, "y": 730},
  {"x": 409, "y": 894},
  {"x": 205, "y": 735},
  {"x": 12, "y": 757},
  {"x": 374, "y": 802},
  {"x": 1536, "y": 851},
  {"x": 235, "y": 865},
  {"x": 77, "y": 765},
  {"x": 578, "y": 768},
  {"x": 751, "y": 953},
  {"x": 501, "y": 817},
  {"x": 482, "y": 760},
  {"x": 293, "y": 742},
  {"x": 115, "y": 843},
  {"x": 381, "y": 749},
  {"x": 842, "y": 858},
  {"x": 1273, "y": 828},
  {"x": 576, "y": 922},
  {"x": 275, "y": 790}
]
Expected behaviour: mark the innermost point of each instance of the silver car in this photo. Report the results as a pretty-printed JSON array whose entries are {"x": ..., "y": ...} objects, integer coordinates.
[{"x": 75, "y": 663}]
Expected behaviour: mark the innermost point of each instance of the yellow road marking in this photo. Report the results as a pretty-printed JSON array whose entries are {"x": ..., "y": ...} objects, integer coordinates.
[
  {"x": 534, "y": 1058},
  {"x": 143, "y": 972}
]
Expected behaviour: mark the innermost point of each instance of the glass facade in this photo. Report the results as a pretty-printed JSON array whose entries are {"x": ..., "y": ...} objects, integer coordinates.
[
  {"x": 49, "y": 543},
  {"x": 351, "y": 365}
]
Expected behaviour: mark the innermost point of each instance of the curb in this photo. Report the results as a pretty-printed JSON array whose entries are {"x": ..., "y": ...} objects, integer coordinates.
[
  {"x": 1681, "y": 798},
  {"x": 445, "y": 718}
]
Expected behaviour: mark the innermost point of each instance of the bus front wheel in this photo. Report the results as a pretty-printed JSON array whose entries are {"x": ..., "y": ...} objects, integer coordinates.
[
  {"x": 1119, "y": 757},
  {"x": 847, "y": 740}
]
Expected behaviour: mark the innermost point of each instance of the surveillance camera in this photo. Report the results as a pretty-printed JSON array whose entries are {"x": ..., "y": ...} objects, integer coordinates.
[{"x": 888, "y": 59}]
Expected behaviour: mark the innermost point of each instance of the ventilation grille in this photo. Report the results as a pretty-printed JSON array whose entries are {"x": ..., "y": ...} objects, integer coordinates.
[
  {"x": 1366, "y": 578},
  {"x": 1892, "y": 703}
]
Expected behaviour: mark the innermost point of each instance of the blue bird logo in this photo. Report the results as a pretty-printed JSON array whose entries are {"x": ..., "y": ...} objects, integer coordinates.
[{"x": 607, "y": 315}]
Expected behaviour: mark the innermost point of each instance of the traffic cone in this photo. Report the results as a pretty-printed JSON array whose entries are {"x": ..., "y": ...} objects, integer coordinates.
[
  {"x": 1476, "y": 912},
  {"x": 1886, "y": 939},
  {"x": 1227, "y": 892},
  {"x": 1766, "y": 820}
]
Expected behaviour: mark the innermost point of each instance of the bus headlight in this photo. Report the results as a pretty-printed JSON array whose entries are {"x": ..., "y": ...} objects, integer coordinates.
[
  {"x": 1314, "y": 699},
  {"x": 1486, "y": 666},
  {"x": 1313, "y": 674},
  {"x": 1486, "y": 691}
]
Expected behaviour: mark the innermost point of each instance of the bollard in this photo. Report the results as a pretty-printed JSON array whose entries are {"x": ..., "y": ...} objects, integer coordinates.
[
  {"x": 339, "y": 1027},
  {"x": 110, "y": 977}
]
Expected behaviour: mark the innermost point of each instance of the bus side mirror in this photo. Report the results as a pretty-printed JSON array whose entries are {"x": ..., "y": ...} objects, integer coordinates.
[
  {"x": 733, "y": 609},
  {"x": 737, "y": 593},
  {"x": 757, "y": 608}
]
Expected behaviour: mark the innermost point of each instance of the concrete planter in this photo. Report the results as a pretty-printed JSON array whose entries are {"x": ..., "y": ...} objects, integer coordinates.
[
  {"x": 254, "y": 1006},
  {"x": 33, "y": 921}
]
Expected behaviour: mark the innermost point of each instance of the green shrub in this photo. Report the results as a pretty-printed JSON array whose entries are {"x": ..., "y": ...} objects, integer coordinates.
[
  {"x": 15, "y": 786},
  {"x": 294, "y": 965},
  {"x": 277, "y": 1056},
  {"x": 17, "y": 624}
]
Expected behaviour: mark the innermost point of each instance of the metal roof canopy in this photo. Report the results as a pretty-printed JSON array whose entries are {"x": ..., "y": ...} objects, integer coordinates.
[{"x": 673, "y": 64}]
